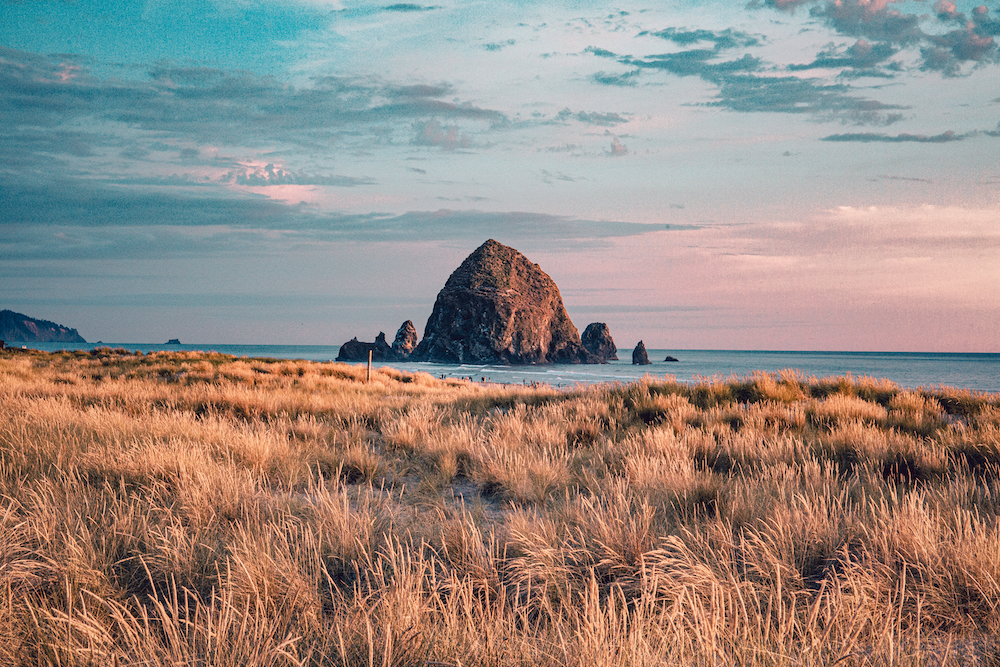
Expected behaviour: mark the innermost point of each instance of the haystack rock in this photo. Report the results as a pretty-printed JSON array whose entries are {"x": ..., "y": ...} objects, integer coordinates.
[
  {"x": 355, "y": 350},
  {"x": 499, "y": 308},
  {"x": 639, "y": 356},
  {"x": 406, "y": 340},
  {"x": 597, "y": 340}
]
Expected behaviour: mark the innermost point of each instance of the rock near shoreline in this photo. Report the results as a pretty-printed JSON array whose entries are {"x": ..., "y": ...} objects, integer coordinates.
[
  {"x": 639, "y": 355},
  {"x": 598, "y": 341},
  {"x": 355, "y": 350}
]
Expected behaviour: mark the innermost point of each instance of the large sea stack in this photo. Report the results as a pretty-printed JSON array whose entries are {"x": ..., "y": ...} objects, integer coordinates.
[
  {"x": 500, "y": 308},
  {"x": 21, "y": 328}
]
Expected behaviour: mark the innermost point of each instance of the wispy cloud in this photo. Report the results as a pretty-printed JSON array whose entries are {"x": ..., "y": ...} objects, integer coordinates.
[
  {"x": 743, "y": 87},
  {"x": 608, "y": 119},
  {"x": 868, "y": 137},
  {"x": 270, "y": 175},
  {"x": 860, "y": 55},
  {"x": 215, "y": 106}
]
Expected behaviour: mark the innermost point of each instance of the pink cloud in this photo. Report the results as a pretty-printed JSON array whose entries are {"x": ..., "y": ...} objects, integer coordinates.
[{"x": 68, "y": 72}]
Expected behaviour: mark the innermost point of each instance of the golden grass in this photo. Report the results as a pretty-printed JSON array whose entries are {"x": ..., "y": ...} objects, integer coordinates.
[{"x": 189, "y": 508}]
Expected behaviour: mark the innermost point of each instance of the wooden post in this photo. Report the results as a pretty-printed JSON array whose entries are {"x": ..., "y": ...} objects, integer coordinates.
[{"x": 369, "y": 378}]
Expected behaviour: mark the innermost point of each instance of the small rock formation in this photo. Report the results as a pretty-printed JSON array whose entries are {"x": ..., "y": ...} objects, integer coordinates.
[
  {"x": 639, "y": 356},
  {"x": 598, "y": 341},
  {"x": 173, "y": 341},
  {"x": 18, "y": 327},
  {"x": 500, "y": 308},
  {"x": 355, "y": 350},
  {"x": 406, "y": 340},
  {"x": 669, "y": 358}
]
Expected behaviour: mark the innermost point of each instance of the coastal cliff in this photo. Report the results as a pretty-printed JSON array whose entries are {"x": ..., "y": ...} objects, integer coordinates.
[{"x": 23, "y": 329}]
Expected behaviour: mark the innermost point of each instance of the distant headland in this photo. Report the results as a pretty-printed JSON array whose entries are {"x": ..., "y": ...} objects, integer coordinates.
[{"x": 17, "y": 327}]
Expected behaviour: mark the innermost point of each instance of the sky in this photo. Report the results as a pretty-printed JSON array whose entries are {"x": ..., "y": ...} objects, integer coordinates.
[{"x": 698, "y": 174}]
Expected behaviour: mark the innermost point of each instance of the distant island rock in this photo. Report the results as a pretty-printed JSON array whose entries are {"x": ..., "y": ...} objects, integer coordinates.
[
  {"x": 597, "y": 340},
  {"x": 24, "y": 329},
  {"x": 669, "y": 358},
  {"x": 173, "y": 341},
  {"x": 639, "y": 355},
  {"x": 500, "y": 308}
]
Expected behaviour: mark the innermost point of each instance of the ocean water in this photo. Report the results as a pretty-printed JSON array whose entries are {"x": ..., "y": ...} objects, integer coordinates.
[{"x": 980, "y": 372}]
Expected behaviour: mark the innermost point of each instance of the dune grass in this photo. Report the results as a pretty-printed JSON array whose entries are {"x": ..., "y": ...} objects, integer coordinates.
[{"x": 198, "y": 509}]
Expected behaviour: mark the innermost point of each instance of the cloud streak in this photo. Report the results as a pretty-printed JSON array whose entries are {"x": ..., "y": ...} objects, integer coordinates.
[
  {"x": 743, "y": 89},
  {"x": 869, "y": 137}
]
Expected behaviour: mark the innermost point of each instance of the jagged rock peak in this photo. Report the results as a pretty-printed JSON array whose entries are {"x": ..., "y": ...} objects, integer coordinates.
[
  {"x": 598, "y": 341},
  {"x": 498, "y": 307},
  {"x": 639, "y": 355},
  {"x": 406, "y": 340}
]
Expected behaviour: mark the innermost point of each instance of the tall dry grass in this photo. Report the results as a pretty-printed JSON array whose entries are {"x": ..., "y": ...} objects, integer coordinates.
[{"x": 189, "y": 508}]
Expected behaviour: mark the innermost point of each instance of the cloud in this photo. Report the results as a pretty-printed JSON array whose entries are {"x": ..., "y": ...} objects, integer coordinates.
[
  {"x": 592, "y": 117},
  {"x": 886, "y": 21},
  {"x": 433, "y": 133},
  {"x": 861, "y": 55},
  {"x": 945, "y": 9},
  {"x": 868, "y": 137},
  {"x": 742, "y": 89},
  {"x": 954, "y": 47},
  {"x": 872, "y": 19},
  {"x": 210, "y": 106},
  {"x": 623, "y": 80},
  {"x": 600, "y": 53},
  {"x": 84, "y": 219},
  {"x": 618, "y": 148},
  {"x": 985, "y": 24},
  {"x": 549, "y": 177},
  {"x": 496, "y": 46},
  {"x": 31, "y": 200},
  {"x": 409, "y": 7},
  {"x": 903, "y": 178},
  {"x": 697, "y": 63},
  {"x": 725, "y": 39},
  {"x": 371, "y": 10},
  {"x": 795, "y": 95},
  {"x": 271, "y": 175}
]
